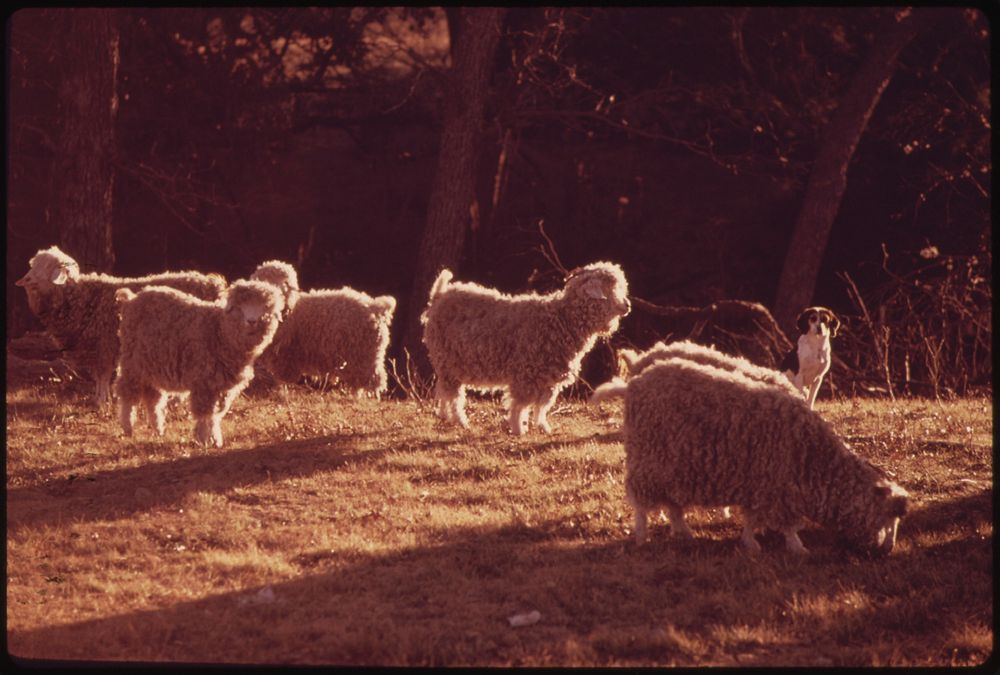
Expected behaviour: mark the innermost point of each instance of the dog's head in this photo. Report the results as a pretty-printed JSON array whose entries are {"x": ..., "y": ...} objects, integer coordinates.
[{"x": 818, "y": 321}]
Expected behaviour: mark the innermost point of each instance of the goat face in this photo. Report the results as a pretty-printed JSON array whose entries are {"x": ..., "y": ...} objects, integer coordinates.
[
  {"x": 601, "y": 289},
  {"x": 253, "y": 310},
  {"x": 283, "y": 276},
  {"x": 876, "y": 534},
  {"x": 48, "y": 269}
]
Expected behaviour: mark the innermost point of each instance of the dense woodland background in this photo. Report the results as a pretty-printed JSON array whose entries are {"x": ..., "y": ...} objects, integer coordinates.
[{"x": 371, "y": 146}]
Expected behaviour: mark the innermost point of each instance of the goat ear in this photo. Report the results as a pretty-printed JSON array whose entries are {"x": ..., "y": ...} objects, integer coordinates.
[{"x": 61, "y": 275}]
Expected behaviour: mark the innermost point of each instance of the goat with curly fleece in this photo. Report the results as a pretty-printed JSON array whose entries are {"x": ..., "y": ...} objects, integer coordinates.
[
  {"x": 79, "y": 312},
  {"x": 341, "y": 332},
  {"x": 283, "y": 275},
  {"x": 696, "y": 435},
  {"x": 172, "y": 342},
  {"x": 636, "y": 362},
  {"x": 530, "y": 344}
]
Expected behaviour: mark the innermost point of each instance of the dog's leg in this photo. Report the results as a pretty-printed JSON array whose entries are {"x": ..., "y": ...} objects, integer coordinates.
[{"x": 813, "y": 390}]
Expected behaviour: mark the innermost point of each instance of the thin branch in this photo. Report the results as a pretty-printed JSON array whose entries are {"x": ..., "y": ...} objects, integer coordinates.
[{"x": 549, "y": 251}]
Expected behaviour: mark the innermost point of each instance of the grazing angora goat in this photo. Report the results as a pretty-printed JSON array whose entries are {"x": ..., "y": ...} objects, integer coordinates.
[
  {"x": 701, "y": 436},
  {"x": 339, "y": 332},
  {"x": 172, "y": 342},
  {"x": 636, "y": 362},
  {"x": 79, "y": 312},
  {"x": 530, "y": 344}
]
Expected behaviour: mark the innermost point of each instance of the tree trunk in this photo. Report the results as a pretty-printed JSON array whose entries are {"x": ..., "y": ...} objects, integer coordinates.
[
  {"x": 828, "y": 178},
  {"x": 83, "y": 172},
  {"x": 453, "y": 207}
]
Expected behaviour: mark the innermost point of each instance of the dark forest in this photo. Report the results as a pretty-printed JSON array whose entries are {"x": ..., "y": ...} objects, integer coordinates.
[{"x": 833, "y": 156}]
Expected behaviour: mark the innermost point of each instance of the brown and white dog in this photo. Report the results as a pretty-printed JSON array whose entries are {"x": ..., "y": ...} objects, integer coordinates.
[{"x": 806, "y": 365}]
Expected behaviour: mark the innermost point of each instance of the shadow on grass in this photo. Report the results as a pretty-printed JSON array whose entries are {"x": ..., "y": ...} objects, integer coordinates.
[
  {"x": 32, "y": 411},
  {"x": 939, "y": 515},
  {"x": 76, "y": 404},
  {"x": 70, "y": 385},
  {"x": 555, "y": 443},
  {"x": 121, "y": 492},
  {"x": 447, "y": 602}
]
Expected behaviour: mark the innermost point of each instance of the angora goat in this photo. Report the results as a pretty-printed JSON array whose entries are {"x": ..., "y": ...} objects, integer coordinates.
[
  {"x": 341, "y": 332},
  {"x": 79, "y": 312},
  {"x": 698, "y": 435},
  {"x": 530, "y": 344},
  {"x": 636, "y": 362},
  {"x": 172, "y": 342},
  {"x": 283, "y": 275}
]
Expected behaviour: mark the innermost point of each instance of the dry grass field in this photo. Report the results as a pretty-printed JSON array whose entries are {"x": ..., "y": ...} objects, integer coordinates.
[{"x": 336, "y": 531}]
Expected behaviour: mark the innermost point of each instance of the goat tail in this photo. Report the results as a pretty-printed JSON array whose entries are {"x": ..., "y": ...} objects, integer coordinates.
[
  {"x": 616, "y": 388},
  {"x": 440, "y": 283},
  {"x": 385, "y": 306}
]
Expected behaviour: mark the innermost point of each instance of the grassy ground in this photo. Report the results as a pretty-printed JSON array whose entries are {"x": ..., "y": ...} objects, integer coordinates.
[{"x": 335, "y": 531}]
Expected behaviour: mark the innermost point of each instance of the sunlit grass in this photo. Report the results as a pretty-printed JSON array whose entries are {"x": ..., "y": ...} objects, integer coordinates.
[{"x": 330, "y": 530}]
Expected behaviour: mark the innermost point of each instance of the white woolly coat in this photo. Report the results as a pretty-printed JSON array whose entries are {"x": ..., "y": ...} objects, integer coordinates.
[
  {"x": 685, "y": 349},
  {"x": 173, "y": 342},
  {"x": 531, "y": 343},
  {"x": 341, "y": 332},
  {"x": 698, "y": 435},
  {"x": 79, "y": 310}
]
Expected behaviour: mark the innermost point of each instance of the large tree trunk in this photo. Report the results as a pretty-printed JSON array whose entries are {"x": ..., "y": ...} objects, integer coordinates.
[
  {"x": 828, "y": 179},
  {"x": 84, "y": 172},
  {"x": 475, "y": 32}
]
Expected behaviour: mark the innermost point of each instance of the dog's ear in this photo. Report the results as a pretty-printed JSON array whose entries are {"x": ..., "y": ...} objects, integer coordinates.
[
  {"x": 834, "y": 324},
  {"x": 802, "y": 323}
]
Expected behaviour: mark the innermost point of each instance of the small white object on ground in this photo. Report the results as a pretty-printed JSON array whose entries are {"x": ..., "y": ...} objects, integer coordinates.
[{"x": 527, "y": 619}]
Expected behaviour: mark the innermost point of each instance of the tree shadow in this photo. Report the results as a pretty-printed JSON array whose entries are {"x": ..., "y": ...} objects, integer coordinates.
[
  {"x": 32, "y": 411},
  {"x": 119, "y": 493},
  {"x": 941, "y": 515},
  {"x": 531, "y": 446},
  {"x": 63, "y": 382},
  {"x": 447, "y": 601}
]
